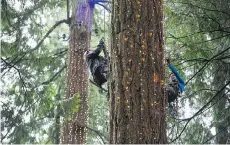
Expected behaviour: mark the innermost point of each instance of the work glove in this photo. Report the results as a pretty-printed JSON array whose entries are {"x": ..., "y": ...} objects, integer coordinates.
[
  {"x": 101, "y": 42},
  {"x": 168, "y": 61}
]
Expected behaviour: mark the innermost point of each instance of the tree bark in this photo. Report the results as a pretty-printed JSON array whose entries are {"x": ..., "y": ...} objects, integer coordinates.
[
  {"x": 137, "y": 85},
  {"x": 220, "y": 107},
  {"x": 74, "y": 130}
]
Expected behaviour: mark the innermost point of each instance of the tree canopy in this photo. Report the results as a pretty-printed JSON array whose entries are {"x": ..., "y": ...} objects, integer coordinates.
[{"x": 34, "y": 46}]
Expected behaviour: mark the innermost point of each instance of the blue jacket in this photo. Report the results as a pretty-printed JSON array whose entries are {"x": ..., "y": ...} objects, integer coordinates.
[{"x": 181, "y": 82}]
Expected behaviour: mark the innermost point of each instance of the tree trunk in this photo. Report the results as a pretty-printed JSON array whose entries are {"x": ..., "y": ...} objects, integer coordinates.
[
  {"x": 220, "y": 107},
  {"x": 137, "y": 90},
  {"x": 57, "y": 125},
  {"x": 74, "y": 130}
]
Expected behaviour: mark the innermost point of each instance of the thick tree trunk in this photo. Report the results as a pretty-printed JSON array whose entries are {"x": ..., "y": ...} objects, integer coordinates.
[
  {"x": 137, "y": 92},
  {"x": 74, "y": 131}
]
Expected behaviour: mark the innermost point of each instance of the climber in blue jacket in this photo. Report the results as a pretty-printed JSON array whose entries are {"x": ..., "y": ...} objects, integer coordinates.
[{"x": 175, "y": 87}]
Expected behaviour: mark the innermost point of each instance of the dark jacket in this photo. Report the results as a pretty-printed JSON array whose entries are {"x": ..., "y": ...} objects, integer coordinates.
[{"x": 94, "y": 60}]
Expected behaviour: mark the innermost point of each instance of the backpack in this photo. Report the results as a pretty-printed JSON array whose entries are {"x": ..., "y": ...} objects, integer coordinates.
[
  {"x": 172, "y": 94},
  {"x": 172, "y": 91}
]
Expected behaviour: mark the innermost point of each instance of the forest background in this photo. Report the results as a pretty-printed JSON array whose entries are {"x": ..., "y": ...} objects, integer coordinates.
[{"x": 34, "y": 51}]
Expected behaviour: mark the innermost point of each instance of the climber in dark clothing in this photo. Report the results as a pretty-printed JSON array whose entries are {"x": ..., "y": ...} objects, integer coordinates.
[
  {"x": 175, "y": 87},
  {"x": 97, "y": 65}
]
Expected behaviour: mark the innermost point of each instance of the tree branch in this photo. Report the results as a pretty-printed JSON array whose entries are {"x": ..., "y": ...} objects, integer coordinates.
[
  {"x": 40, "y": 42},
  {"x": 19, "y": 73},
  {"x": 25, "y": 14},
  {"x": 189, "y": 35},
  {"x": 105, "y": 7},
  {"x": 215, "y": 102},
  {"x": 205, "y": 89},
  {"x": 203, "y": 60},
  {"x": 199, "y": 111},
  {"x": 67, "y": 9},
  {"x": 104, "y": 1},
  {"x": 54, "y": 76},
  {"x": 212, "y": 39},
  {"x": 207, "y": 63},
  {"x": 216, "y": 133},
  {"x": 19, "y": 114},
  {"x": 98, "y": 133},
  {"x": 97, "y": 85},
  {"x": 61, "y": 52},
  {"x": 204, "y": 8}
]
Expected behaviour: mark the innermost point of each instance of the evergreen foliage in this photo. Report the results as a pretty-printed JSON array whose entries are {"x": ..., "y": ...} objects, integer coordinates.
[{"x": 34, "y": 46}]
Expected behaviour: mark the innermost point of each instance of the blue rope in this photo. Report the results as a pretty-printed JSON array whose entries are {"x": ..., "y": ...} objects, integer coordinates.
[{"x": 94, "y": 2}]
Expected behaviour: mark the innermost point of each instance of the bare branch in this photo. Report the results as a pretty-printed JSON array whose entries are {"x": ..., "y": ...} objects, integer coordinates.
[
  {"x": 19, "y": 73},
  {"x": 39, "y": 43},
  {"x": 204, "y": 8},
  {"x": 216, "y": 133},
  {"x": 202, "y": 31},
  {"x": 200, "y": 111},
  {"x": 98, "y": 133},
  {"x": 67, "y": 9},
  {"x": 212, "y": 39},
  {"x": 54, "y": 76},
  {"x": 105, "y": 7},
  {"x": 61, "y": 52},
  {"x": 203, "y": 59},
  {"x": 200, "y": 90},
  {"x": 207, "y": 63}
]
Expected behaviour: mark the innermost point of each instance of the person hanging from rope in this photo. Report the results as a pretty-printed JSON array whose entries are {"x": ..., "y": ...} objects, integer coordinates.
[
  {"x": 97, "y": 64},
  {"x": 174, "y": 88}
]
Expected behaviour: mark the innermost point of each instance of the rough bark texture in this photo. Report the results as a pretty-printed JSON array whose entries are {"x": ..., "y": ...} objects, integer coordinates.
[
  {"x": 74, "y": 131},
  {"x": 137, "y": 92},
  {"x": 222, "y": 120}
]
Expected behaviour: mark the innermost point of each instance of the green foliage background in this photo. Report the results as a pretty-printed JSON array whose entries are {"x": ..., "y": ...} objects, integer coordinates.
[{"x": 33, "y": 71}]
